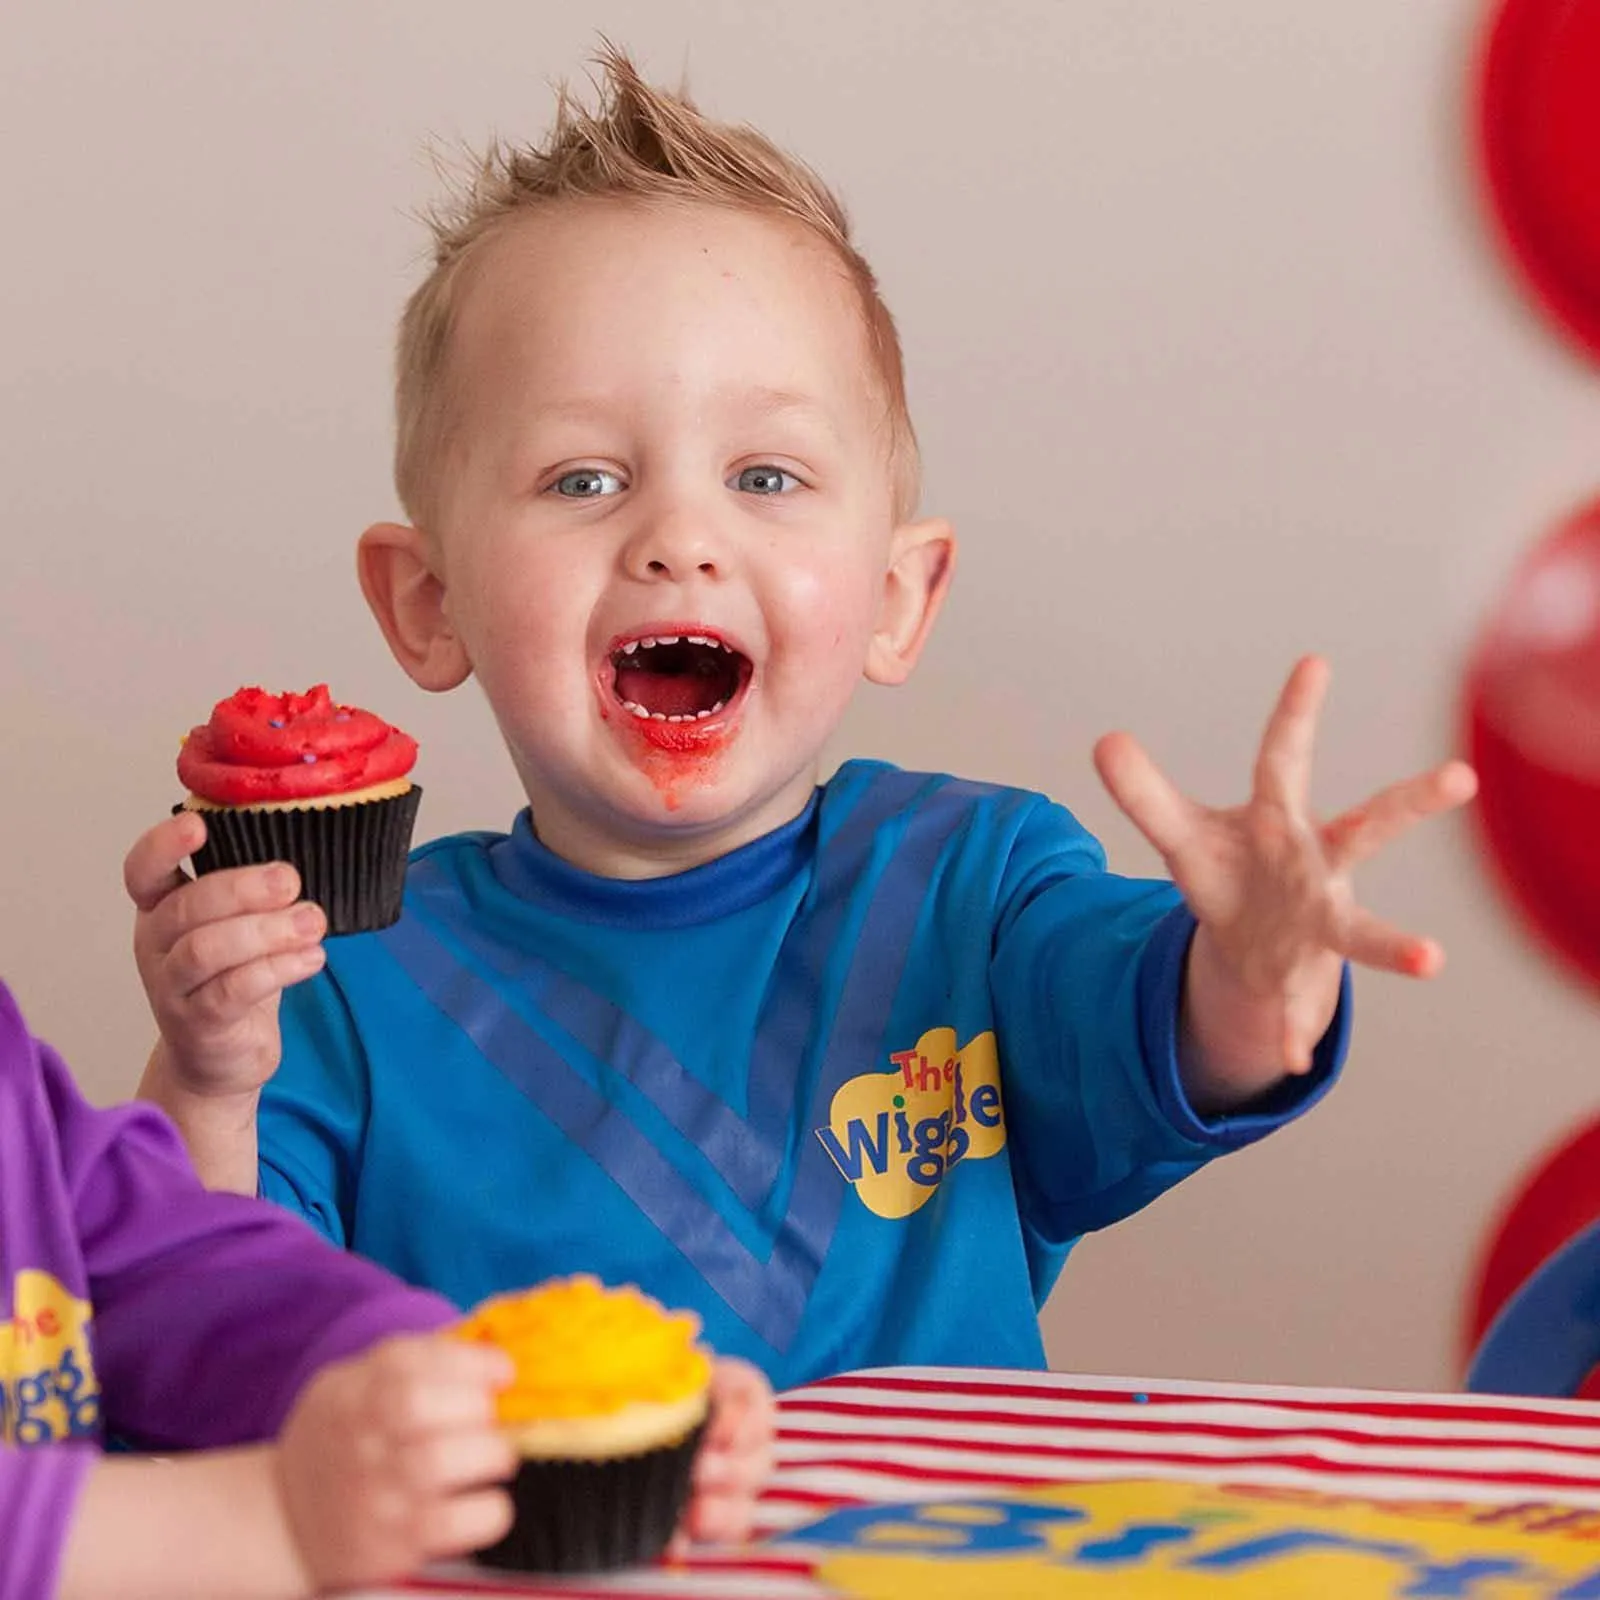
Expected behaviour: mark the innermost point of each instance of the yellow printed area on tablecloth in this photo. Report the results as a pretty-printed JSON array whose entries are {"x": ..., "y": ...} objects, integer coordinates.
[
  {"x": 1171, "y": 1541},
  {"x": 48, "y": 1390}
]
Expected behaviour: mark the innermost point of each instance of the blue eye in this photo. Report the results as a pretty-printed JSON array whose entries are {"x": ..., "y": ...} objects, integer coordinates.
[
  {"x": 587, "y": 483},
  {"x": 766, "y": 480}
]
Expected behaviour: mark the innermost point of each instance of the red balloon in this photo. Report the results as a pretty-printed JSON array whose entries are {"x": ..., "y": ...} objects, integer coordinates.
[
  {"x": 1533, "y": 726},
  {"x": 1556, "y": 1200},
  {"x": 1539, "y": 133}
]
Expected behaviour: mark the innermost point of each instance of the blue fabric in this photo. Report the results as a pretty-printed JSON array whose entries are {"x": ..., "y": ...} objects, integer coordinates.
[
  {"x": 1545, "y": 1339},
  {"x": 851, "y": 1092}
]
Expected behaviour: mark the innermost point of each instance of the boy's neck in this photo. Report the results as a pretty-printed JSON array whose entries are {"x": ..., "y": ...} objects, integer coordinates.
[{"x": 586, "y": 842}]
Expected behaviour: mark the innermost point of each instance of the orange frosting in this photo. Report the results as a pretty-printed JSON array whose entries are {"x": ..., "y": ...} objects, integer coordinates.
[{"x": 583, "y": 1350}]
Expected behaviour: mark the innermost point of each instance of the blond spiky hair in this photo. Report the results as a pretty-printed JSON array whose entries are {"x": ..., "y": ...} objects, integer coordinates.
[{"x": 638, "y": 143}]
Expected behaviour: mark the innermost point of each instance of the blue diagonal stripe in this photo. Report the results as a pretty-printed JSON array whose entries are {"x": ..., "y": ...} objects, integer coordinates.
[
  {"x": 855, "y": 1042},
  {"x": 598, "y": 1127},
  {"x": 785, "y": 1032},
  {"x": 610, "y": 1035}
]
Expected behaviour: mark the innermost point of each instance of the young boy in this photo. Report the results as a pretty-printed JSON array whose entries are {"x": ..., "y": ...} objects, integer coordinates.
[
  {"x": 138, "y": 1304},
  {"x": 846, "y": 1068}
]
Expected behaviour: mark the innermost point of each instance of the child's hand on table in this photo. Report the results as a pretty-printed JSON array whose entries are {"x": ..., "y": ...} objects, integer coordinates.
[
  {"x": 394, "y": 1459},
  {"x": 1270, "y": 886},
  {"x": 735, "y": 1456}
]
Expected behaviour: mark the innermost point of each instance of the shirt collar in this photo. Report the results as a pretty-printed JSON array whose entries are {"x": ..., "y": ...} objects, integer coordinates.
[{"x": 718, "y": 888}]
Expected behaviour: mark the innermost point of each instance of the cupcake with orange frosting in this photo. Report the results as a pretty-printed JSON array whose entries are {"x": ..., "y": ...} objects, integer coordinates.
[
  {"x": 606, "y": 1410},
  {"x": 304, "y": 779}
]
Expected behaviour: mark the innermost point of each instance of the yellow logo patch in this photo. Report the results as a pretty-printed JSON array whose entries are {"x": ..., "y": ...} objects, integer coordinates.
[
  {"x": 48, "y": 1390},
  {"x": 895, "y": 1134}
]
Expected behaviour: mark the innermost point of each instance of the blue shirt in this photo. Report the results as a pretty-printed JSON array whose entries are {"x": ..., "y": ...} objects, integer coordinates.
[{"x": 850, "y": 1092}]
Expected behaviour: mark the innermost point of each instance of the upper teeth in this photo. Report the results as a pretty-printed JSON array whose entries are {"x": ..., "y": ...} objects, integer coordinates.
[{"x": 652, "y": 640}]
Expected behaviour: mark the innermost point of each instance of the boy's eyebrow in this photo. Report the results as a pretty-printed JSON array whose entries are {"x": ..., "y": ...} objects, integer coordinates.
[
  {"x": 767, "y": 404},
  {"x": 776, "y": 402},
  {"x": 762, "y": 401}
]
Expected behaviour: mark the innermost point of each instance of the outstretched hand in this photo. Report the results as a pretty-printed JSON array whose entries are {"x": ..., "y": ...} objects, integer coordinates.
[{"x": 1270, "y": 886}]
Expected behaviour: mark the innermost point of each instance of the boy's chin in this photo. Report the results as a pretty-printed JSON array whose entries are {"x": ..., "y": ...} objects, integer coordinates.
[
  {"x": 724, "y": 809},
  {"x": 674, "y": 812}
]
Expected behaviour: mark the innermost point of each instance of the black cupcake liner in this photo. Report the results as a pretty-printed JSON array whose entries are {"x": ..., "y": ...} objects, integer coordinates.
[
  {"x": 591, "y": 1516},
  {"x": 351, "y": 858}
]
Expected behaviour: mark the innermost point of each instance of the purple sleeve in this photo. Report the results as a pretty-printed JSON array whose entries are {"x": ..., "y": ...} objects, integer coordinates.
[
  {"x": 38, "y": 1490},
  {"x": 210, "y": 1310}
]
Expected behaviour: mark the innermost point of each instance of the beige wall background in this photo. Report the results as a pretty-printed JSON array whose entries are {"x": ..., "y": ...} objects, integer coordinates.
[{"x": 1212, "y": 361}]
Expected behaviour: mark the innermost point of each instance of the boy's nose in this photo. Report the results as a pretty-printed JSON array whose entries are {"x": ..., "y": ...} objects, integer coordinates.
[{"x": 672, "y": 546}]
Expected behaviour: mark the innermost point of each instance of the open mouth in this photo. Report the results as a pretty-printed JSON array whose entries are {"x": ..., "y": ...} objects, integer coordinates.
[{"x": 677, "y": 677}]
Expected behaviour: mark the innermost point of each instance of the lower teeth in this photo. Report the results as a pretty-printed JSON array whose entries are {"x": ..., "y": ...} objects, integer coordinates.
[{"x": 634, "y": 708}]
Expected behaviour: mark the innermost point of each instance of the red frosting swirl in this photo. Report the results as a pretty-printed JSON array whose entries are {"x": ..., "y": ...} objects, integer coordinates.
[{"x": 260, "y": 747}]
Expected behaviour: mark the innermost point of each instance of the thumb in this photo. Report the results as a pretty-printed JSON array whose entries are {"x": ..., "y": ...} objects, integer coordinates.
[{"x": 153, "y": 868}]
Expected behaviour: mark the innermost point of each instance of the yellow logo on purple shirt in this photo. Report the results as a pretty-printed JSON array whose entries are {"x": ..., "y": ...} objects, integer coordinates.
[
  {"x": 896, "y": 1134},
  {"x": 48, "y": 1390}
]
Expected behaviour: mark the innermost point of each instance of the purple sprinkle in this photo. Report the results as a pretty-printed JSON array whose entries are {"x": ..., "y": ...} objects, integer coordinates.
[
  {"x": 308, "y": 758},
  {"x": 341, "y": 716},
  {"x": 277, "y": 722}
]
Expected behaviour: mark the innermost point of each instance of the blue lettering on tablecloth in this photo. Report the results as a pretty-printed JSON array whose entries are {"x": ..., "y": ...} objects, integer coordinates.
[
  {"x": 988, "y": 1527},
  {"x": 1220, "y": 1539}
]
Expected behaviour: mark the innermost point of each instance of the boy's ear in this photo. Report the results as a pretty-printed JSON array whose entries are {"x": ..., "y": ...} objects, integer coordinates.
[
  {"x": 407, "y": 597},
  {"x": 922, "y": 560}
]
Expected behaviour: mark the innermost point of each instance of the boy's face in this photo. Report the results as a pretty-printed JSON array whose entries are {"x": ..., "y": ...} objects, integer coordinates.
[{"x": 664, "y": 534}]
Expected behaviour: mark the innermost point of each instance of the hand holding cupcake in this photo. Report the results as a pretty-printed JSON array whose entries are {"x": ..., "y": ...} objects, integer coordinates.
[
  {"x": 311, "y": 802},
  {"x": 610, "y": 1414}
]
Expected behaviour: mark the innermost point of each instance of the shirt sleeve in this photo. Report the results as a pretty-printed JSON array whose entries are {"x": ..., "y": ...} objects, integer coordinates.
[
  {"x": 1087, "y": 975},
  {"x": 210, "y": 1310},
  {"x": 38, "y": 1495},
  {"x": 313, "y": 1115}
]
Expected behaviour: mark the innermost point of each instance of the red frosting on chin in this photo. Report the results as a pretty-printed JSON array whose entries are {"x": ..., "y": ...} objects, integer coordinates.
[{"x": 259, "y": 747}]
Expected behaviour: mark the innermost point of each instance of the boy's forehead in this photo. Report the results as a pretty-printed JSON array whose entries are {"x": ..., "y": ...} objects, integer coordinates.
[
  {"x": 569, "y": 242},
  {"x": 577, "y": 287}
]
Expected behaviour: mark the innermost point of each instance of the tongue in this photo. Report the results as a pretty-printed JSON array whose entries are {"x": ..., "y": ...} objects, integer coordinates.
[{"x": 673, "y": 694}]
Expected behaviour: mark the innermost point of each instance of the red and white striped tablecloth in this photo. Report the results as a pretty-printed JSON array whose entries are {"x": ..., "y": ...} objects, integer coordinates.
[{"x": 919, "y": 1433}]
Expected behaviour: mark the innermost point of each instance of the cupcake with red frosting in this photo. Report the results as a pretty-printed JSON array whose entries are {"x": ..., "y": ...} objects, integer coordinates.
[{"x": 303, "y": 779}]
